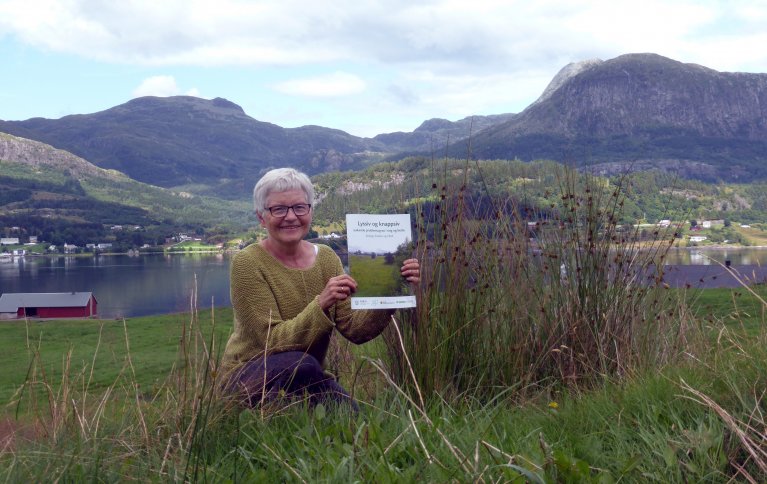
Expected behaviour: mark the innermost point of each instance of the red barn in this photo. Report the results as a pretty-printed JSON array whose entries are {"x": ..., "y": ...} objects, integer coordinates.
[{"x": 45, "y": 305}]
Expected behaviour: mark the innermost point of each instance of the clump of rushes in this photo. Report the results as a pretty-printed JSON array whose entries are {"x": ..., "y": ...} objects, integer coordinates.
[{"x": 517, "y": 295}]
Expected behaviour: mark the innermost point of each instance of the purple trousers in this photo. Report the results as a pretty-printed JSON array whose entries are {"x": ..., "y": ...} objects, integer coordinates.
[{"x": 296, "y": 373}]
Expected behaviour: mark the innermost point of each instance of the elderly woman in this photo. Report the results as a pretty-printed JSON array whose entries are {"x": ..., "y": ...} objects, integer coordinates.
[{"x": 288, "y": 296}]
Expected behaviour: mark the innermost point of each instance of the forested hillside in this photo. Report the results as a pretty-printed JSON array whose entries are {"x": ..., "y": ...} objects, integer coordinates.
[
  {"x": 60, "y": 198},
  {"x": 532, "y": 187}
]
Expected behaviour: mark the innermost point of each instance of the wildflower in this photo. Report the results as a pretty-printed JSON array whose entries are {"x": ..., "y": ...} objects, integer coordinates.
[{"x": 553, "y": 405}]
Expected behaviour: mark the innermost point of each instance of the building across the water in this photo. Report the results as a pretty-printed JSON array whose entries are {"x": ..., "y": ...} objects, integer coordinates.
[{"x": 48, "y": 305}]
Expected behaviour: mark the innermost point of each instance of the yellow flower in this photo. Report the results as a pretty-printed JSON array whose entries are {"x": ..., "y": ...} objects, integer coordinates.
[{"x": 553, "y": 405}]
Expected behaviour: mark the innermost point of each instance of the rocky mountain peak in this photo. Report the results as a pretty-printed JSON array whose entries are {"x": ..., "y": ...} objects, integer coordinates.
[
  {"x": 570, "y": 70},
  {"x": 643, "y": 107}
]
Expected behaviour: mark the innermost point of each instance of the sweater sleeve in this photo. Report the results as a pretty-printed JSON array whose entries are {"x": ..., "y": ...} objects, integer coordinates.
[
  {"x": 359, "y": 326},
  {"x": 258, "y": 314}
]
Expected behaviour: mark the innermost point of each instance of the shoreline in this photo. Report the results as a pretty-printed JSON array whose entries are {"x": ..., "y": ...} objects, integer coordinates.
[
  {"x": 720, "y": 247},
  {"x": 90, "y": 254}
]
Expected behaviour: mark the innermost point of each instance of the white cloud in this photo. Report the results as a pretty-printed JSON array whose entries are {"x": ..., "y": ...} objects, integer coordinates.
[
  {"x": 445, "y": 35},
  {"x": 331, "y": 85},
  {"x": 446, "y": 58},
  {"x": 162, "y": 86}
]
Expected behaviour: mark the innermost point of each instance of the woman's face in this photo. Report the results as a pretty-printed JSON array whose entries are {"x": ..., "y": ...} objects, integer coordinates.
[{"x": 290, "y": 229}]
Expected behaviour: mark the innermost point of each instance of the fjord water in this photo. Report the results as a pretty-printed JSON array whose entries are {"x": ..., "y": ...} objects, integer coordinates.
[
  {"x": 126, "y": 286},
  {"x": 715, "y": 256}
]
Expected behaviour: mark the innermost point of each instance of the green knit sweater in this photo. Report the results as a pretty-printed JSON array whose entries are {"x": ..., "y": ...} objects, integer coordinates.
[{"x": 280, "y": 302}]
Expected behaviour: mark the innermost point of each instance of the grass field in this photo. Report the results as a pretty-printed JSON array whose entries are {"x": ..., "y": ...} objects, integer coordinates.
[
  {"x": 655, "y": 427},
  {"x": 153, "y": 342},
  {"x": 192, "y": 245},
  {"x": 753, "y": 235},
  {"x": 374, "y": 277}
]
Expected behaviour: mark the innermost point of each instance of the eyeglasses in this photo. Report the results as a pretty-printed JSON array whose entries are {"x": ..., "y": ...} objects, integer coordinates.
[{"x": 300, "y": 209}]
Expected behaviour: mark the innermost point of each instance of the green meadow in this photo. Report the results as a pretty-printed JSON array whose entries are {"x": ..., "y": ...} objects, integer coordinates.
[
  {"x": 153, "y": 343},
  {"x": 652, "y": 427},
  {"x": 374, "y": 276}
]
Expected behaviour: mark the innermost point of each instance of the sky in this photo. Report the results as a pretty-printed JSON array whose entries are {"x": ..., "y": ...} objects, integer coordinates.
[{"x": 365, "y": 67}]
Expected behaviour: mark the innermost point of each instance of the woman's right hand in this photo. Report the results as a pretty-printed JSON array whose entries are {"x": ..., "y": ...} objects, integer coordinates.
[{"x": 337, "y": 289}]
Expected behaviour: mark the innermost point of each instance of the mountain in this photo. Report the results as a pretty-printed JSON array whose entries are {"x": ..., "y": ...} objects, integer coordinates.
[
  {"x": 41, "y": 187},
  {"x": 185, "y": 140},
  {"x": 636, "y": 111},
  {"x": 212, "y": 146},
  {"x": 434, "y": 134},
  {"x": 642, "y": 110}
]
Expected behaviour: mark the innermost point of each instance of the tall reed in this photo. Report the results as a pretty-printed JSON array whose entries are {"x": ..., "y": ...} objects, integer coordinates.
[
  {"x": 123, "y": 430},
  {"x": 515, "y": 295}
]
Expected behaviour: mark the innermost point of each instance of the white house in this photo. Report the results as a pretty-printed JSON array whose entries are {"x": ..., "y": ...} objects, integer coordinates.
[
  {"x": 697, "y": 238},
  {"x": 9, "y": 241}
]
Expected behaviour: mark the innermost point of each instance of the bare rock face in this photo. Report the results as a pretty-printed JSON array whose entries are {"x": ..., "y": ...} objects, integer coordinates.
[
  {"x": 643, "y": 107},
  {"x": 646, "y": 91},
  {"x": 570, "y": 70},
  {"x": 33, "y": 153},
  {"x": 331, "y": 159}
]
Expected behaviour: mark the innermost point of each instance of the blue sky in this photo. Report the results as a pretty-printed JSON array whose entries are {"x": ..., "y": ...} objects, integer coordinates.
[{"x": 366, "y": 67}]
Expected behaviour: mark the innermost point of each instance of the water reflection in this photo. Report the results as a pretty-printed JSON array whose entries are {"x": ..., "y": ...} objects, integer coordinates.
[
  {"x": 155, "y": 284},
  {"x": 126, "y": 286},
  {"x": 712, "y": 256}
]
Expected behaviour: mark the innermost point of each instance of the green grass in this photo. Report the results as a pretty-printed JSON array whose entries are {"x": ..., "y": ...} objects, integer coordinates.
[
  {"x": 153, "y": 342},
  {"x": 738, "y": 308},
  {"x": 192, "y": 245},
  {"x": 754, "y": 235},
  {"x": 647, "y": 429},
  {"x": 29, "y": 248},
  {"x": 328, "y": 228},
  {"x": 374, "y": 276}
]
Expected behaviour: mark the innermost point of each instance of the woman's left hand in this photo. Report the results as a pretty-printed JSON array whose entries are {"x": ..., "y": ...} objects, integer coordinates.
[{"x": 411, "y": 270}]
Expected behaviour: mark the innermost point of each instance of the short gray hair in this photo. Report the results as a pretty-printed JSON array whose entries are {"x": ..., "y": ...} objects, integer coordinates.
[{"x": 281, "y": 180}]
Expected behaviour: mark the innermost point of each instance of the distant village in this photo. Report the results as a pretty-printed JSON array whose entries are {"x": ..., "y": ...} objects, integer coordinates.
[
  {"x": 20, "y": 246},
  {"x": 15, "y": 244}
]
